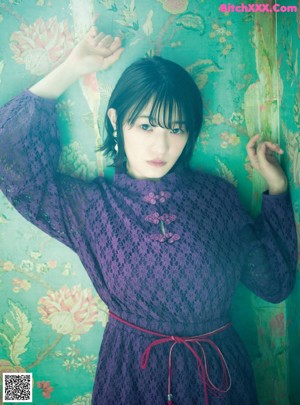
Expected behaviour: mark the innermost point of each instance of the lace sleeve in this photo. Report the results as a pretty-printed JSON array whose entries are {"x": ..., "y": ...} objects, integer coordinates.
[
  {"x": 29, "y": 153},
  {"x": 269, "y": 246}
]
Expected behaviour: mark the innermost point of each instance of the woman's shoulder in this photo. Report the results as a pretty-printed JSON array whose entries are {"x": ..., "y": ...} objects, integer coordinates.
[
  {"x": 208, "y": 179},
  {"x": 213, "y": 188}
]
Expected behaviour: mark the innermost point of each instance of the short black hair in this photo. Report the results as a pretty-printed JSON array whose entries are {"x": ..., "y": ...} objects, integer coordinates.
[{"x": 169, "y": 87}]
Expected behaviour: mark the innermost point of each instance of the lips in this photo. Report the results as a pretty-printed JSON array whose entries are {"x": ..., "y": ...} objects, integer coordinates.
[{"x": 156, "y": 162}]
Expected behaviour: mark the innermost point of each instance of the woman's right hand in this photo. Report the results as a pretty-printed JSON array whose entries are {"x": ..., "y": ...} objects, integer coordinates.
[{"x": 96, "y": 51}]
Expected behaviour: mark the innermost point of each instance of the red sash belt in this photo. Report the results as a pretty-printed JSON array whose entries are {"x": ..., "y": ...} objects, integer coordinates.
[{"x": 201, "y": 360}]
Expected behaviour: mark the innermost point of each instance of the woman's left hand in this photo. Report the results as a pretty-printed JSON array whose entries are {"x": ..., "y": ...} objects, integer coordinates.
[
  {"x": 95, "y": 52},
  {"x": 263, "y": 160}
]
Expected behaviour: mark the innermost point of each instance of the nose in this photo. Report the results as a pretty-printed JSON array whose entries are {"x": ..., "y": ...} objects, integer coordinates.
[{"x": 160, "y": 144}]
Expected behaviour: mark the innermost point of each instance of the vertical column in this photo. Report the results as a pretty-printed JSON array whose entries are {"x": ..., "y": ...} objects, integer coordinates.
[{"x": 83, "y": 16}]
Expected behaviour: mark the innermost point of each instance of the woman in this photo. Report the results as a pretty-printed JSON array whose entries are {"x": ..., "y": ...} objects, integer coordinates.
[{"x": 164, "y": 246}]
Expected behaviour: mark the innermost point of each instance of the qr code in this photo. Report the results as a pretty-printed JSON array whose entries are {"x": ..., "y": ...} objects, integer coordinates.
[{"x": 17, "y": 387}]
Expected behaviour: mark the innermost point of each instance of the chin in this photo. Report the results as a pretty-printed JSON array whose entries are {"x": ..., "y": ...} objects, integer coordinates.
[
  {"x": 157, "y": 173},
  {"x": 147, "y": 172}
]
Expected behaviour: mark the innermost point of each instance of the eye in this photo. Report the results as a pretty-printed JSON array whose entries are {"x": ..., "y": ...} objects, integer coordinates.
[
  {"x": 177, "y": 131},
  {"x": 145, "y": 127}
]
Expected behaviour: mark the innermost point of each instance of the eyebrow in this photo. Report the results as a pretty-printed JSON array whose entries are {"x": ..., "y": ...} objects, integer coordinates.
[{"x": 173, "y": 122}]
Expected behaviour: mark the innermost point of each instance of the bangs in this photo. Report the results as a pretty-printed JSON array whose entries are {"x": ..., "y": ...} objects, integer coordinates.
[{"x": 165, "y": 109}]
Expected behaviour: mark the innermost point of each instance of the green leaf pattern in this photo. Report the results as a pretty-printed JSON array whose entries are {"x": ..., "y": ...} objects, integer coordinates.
[{"x": 14, "y": 332}]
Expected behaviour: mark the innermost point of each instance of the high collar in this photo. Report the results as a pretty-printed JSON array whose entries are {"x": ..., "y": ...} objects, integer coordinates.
[{"x": 171, "y": 181}]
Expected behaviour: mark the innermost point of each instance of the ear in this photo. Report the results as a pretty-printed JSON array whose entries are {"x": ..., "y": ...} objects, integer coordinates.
[{"x": 112, "y": 115}]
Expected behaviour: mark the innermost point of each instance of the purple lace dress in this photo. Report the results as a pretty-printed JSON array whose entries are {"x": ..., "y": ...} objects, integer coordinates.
[{"x": 165, "y": 255}]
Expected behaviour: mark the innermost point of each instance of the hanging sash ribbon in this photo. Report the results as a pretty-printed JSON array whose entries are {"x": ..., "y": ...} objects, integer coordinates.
[{"x": 202, "y": 362}]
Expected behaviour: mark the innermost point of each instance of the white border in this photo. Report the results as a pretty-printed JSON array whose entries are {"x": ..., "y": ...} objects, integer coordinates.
[{"x": 17, "y": 400}]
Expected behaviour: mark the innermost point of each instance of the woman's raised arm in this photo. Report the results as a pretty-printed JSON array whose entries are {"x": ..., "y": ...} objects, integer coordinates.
[
  {"x": 30, "y": 147},
  {"x": 96, "y": 51}
]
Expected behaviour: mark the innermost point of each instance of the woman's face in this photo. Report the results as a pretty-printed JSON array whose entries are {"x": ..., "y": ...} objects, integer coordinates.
[{"x": 151, "y": 151}]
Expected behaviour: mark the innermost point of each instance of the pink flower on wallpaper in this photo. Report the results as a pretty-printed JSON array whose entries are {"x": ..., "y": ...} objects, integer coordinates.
[
  {"x": 42, "y": 45},
  {"x": 52, "y": 264},
  {"x": 20, "y": 285},
  {"x": 8, "y": 266},
  {"x": 175, "y": 6},
  {"x": 46, "y": 387},
  {"x": 69, "y": 311}
]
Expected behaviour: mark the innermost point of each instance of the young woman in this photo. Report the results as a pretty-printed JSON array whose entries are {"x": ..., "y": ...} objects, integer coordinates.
[{"x": 164, "y": 246}]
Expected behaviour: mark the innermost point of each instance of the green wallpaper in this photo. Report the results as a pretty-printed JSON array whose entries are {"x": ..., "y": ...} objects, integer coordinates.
[{"x": 246, "y": 65}]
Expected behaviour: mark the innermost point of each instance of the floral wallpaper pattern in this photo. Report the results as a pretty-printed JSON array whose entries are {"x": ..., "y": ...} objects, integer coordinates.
[{"x": 246, "y": 65}]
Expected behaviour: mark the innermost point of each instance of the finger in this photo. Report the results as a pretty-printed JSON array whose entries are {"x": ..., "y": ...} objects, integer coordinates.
[
  {"x": 113, "y": 57},
  {"x": 251, "y": 150},
  {"x": 116, "y": 44},
  {"x": 95, "y": 18},
  {"x": 92, "y": 32},
  {"x": 99, "y": 38},
  {"x": 261, "y": 149},
  {"x": 264, "y": 154},
  {"x": 107, "y": 41},
  {"x": 251, "y": 144},
  {"x": 253, "y": 140},
  {"x": 106, "y": 51},
  {"x": 274, "y": 147}
]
